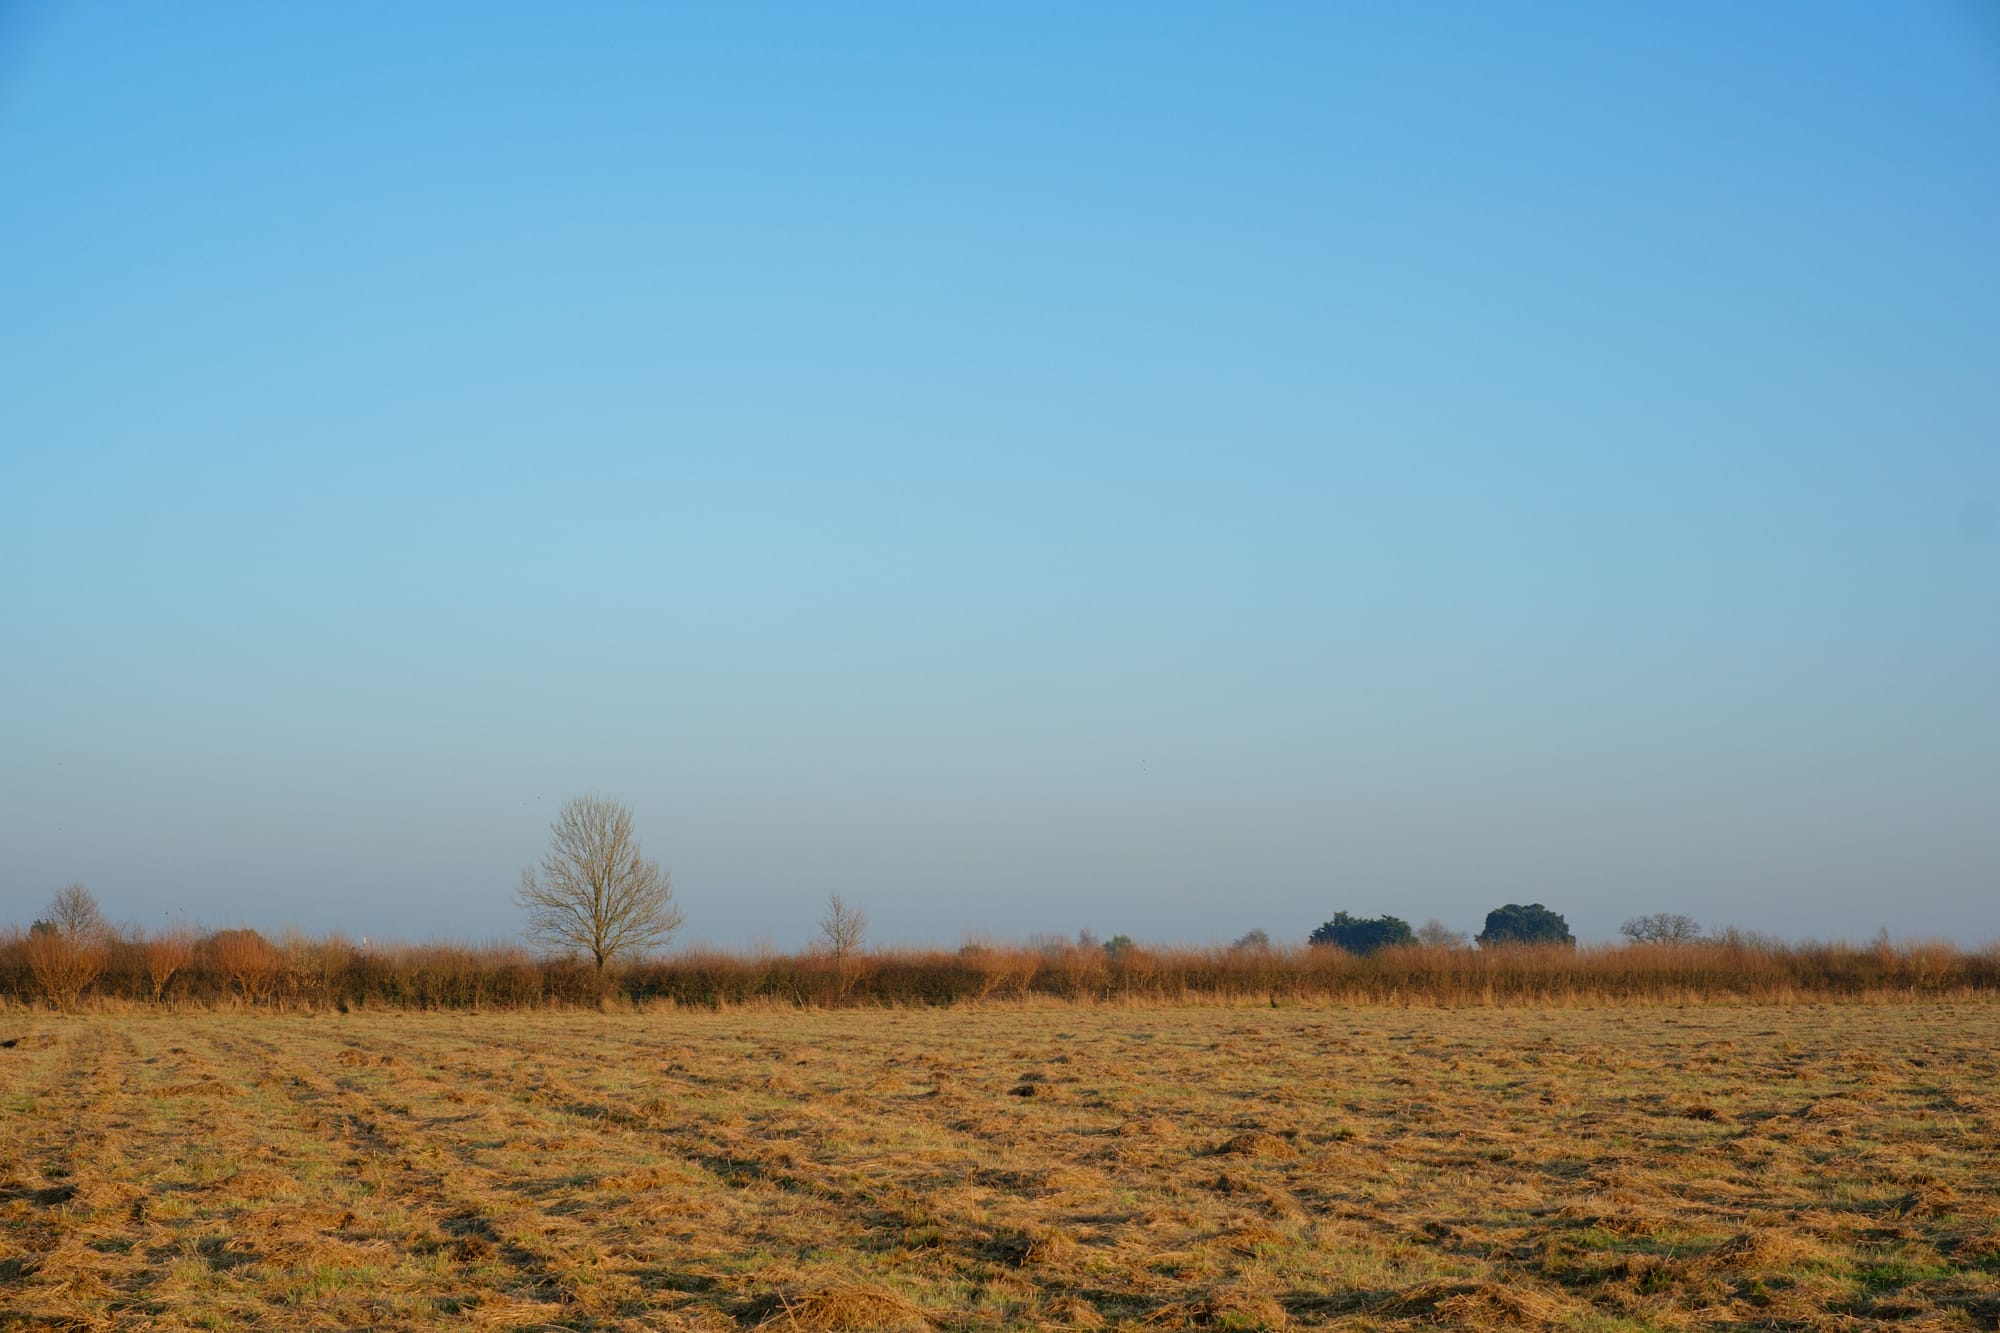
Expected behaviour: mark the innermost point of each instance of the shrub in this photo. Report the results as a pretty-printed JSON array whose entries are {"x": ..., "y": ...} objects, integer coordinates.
[
  {"x": 997, "y": 971},
  {"x": 67, "y": 949},
  {"x": 168, "y": 955},
  {"x": 1078, "y": 972},
  {"x": 246, "y": 960}
]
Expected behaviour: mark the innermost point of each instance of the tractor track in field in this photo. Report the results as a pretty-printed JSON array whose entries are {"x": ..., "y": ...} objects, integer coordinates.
[
  {"x": 382, "y": 1146},
  {"x": 1401, "y": 1169}
]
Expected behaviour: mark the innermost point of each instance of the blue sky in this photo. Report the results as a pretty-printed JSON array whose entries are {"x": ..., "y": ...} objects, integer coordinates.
[{"x": 1154, "y": 468}]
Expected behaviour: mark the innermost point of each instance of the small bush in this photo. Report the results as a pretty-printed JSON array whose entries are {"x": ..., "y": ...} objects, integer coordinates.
[{"x": 67, "y": 949}]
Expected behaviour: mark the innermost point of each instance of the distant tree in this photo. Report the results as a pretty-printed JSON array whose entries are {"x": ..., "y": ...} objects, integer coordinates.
[
  {"x": 1530, "y": 924},
  {"x": 1363, "y": 935},
  {"x": 1661, "y": 928},
  {"x": 596, "y": 893},
  {"x": 842, "y": 929},
  {"x": 1118, "y": 946},
  {"x": 68, "y": 947},
  {"x": 1253, "y": 941},
  {"x": 73, "y": 912},
  {"x": 1436, "y": 934},
  {"x": 1088, "y": 941}
]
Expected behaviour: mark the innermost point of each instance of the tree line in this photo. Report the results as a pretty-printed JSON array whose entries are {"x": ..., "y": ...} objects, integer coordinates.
[
  {"x": 595, "y": 893},
  {"x": 1509, "y": 926},
  {"x": 598, "y": 911},
  {"x": 73, "y": 959}
]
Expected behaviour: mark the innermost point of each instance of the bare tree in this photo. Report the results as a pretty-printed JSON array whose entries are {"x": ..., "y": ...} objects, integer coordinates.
[
  {"x": 68, "y": 947},
  {"x": 1436, "y": 934},
  {"x": 73, "y": 912},
  {"x": 842, "y": 928},
  {"x": 1661, "y": 928},
  {"x": 596, "y": 893}
]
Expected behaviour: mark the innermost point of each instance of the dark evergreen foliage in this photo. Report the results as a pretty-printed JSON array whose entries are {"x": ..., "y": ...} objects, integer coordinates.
[
  {"x": 1363, "y": 935},
  {"x": 1516, "y": 924}
]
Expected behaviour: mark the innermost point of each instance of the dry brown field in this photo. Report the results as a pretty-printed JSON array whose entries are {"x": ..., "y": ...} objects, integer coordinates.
[{"x": 1018, "y": 1166}]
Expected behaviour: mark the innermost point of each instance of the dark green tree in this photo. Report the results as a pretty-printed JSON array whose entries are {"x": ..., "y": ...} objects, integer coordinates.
[
  {"x": 1363, "y": 934},
  {"x": 1532, "y": 924}
]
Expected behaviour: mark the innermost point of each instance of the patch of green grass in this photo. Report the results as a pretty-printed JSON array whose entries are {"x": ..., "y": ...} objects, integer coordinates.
[{"x": 1895, "y": 1274}]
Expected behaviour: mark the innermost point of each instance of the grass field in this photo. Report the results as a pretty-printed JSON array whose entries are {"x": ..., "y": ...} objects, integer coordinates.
[{"x": 1005, "y": 1167}]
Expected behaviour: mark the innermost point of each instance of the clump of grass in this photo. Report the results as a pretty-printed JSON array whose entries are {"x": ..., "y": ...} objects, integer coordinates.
[
  {"x": 1228, "y": 1309},
  {"x": 838, "y": 1308},
  {"x": 1509, "y": 1305},
  {"x": 1765, "y": 1250},
  {"x": 1035, "y": 1247},
  {"x": 1255, "y": 1143}
]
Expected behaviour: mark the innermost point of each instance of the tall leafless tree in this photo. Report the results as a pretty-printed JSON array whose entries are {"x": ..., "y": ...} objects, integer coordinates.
[
  {"x": 842, "y": 928},
  {"x": 74, "y": 913},
  {"x": 596, "y": 894}
]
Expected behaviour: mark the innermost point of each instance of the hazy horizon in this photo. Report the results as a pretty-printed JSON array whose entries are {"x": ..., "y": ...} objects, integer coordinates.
[{"x": 1158, "y": 470}]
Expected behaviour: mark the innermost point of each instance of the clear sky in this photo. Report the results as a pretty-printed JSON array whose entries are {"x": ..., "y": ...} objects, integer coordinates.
[{"x": 1159, "y": 468}]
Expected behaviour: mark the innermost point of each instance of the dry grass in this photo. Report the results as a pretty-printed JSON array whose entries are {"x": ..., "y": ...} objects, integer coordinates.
[{"x": 1382, "y": 1167}]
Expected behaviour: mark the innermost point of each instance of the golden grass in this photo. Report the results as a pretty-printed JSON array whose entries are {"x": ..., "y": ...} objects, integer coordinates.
[{"x": 1371, "y": 1168}]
